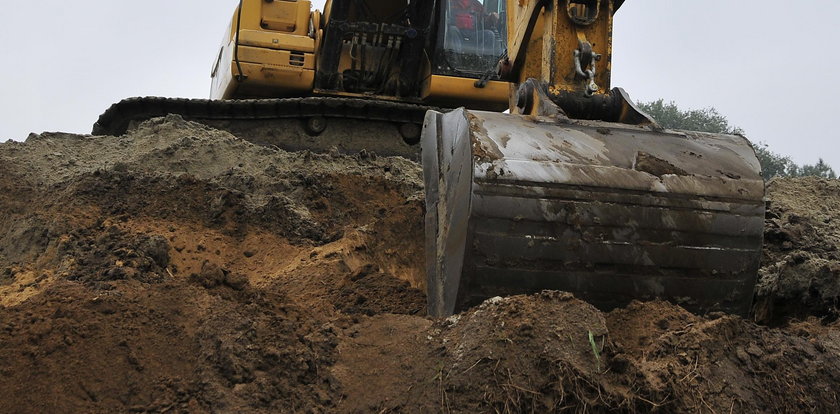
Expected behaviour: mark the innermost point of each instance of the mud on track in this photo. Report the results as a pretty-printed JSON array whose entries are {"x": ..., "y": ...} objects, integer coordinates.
[{"x": 180, "y": 269}]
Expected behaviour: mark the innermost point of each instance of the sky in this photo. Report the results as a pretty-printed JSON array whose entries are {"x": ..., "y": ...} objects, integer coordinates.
[{"x": 769, "y": 66}]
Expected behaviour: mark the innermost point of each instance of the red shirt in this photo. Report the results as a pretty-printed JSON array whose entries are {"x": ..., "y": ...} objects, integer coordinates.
[{"x": 466, "y": 11}]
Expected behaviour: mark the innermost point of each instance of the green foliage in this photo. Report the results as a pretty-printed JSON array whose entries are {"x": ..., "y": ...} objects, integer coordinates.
[
  {"x": 670, "y": 116},
  {"x": 820, "y": 169},
  {"x": 775, "y": 165}
]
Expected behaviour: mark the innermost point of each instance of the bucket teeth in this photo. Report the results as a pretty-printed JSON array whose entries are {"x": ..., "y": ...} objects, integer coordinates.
[{"x": 609, "y": 212}]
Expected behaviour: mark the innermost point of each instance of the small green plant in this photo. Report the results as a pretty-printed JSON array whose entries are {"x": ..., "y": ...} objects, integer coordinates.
[{"x": 595, "y": 351}]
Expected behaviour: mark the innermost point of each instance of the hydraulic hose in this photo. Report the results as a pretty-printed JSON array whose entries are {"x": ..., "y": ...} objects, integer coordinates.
[{"x": 240, "y": 77}]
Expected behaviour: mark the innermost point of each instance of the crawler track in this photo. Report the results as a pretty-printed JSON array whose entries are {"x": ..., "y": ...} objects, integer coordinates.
[{"x": 388, "y": 128}]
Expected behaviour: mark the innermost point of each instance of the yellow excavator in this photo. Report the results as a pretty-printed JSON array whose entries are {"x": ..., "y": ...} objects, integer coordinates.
[{"x": 574, "y": 189}]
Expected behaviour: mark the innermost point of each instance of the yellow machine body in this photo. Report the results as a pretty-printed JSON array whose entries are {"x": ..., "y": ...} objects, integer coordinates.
[
  {"x": 275, "y": 55},
  {"x": 272, "y": 49}
]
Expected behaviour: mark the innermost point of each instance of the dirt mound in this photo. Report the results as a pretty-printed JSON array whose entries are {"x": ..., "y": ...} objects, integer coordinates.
[
  {"x": 693, "y": 364},
  {"x": 800, "y": 275},
  {"x": 181, "y": 269},
  {"x": 553, "y": 353},
  {"x": 527, "y": 354}
]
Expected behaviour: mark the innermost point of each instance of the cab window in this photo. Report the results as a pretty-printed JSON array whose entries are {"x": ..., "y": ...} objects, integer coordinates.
[{"x": 472, "y": 37}]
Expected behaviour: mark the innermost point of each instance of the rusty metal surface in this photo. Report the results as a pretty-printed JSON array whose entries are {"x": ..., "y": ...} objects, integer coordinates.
[{"x": 610, "y": 212}]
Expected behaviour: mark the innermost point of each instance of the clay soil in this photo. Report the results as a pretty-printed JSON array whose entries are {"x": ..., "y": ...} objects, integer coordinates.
[{"x": 179, "y": 269}]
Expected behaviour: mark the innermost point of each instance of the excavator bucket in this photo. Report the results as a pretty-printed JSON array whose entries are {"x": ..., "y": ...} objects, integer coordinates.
[{"x": 610, "y": 212}]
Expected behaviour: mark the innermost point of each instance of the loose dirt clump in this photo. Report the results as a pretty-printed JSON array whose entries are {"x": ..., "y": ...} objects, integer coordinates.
[
  {"x": 695, "y": 364},
  {"x": 179, "y": 268},
  {"x": 528, "y": 354},
  {"x": 371, "y": 292},
  {"x": 104, "y": 255},
  {"x": 800, "y": 275}
]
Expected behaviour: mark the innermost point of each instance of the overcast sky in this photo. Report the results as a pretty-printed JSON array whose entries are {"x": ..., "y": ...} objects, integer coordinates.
[{"x": 770, "y": 66}]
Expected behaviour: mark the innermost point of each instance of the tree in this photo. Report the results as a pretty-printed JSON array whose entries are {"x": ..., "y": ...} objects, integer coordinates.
[
  {"x": 774, "y": 165},
  {"x": 669, "y": 115},
  {"x": 820, "y": 169}
]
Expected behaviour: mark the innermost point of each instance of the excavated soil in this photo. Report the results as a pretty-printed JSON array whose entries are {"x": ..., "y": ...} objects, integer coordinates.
[
  {"x": 181, "y": 269},
  {"x": 800, "y": 276}
]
